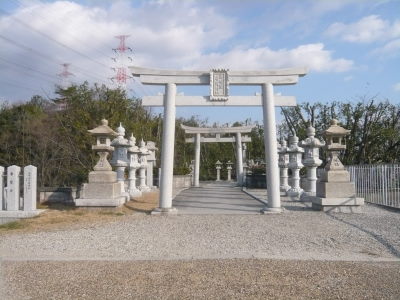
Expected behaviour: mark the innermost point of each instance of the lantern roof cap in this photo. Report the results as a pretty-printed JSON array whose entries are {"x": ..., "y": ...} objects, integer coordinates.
[
  {"x": 103, "y": 129},
  {"x": 336, "y": 130}
]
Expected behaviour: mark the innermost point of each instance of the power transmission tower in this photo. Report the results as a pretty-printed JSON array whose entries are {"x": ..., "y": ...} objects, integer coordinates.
[
  {"x": 64, "y": 75},
  {"x": 121, "y": 58}
]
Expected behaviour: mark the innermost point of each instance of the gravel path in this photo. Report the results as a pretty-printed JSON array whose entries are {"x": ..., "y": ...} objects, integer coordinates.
[{"x": 373, "y": 235}]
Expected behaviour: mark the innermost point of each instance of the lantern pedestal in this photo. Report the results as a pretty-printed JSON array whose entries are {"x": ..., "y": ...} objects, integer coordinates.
[
  {"x": 103, "y": 188},
  {"x": 335, "y": 192}
]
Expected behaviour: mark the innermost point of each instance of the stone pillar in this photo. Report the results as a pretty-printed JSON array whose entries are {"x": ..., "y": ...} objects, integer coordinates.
[
  {"x": 1, "y": 188},
  {"x": 30, "y": 188},
  {"x": 229, "y": 168},
  {"x": 244, "y": 180},
  {"x": 151, "y": 163},
  {"x": 167, "y": 152},
  {"x": 191, "y": 167},
  {"x": 239, "y": 157},
  {"x": 218, "y": 167},
  {"x": 311, "y": 160},
  {"x": 283, "y": 167},
  {"x": 13, "y": 188},
  {"x": 197, "y": 160},
  {"x": 295, "y": 164},
  {"x": 271, "y": 156},
  {"x": 133, "y": 155},
  {"x": 120, "y": 155},
  {"x": 143, "y": 166}
]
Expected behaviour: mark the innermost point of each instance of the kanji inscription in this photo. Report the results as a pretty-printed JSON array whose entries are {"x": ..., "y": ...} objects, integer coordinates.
[{"x": 219, "y": 85}]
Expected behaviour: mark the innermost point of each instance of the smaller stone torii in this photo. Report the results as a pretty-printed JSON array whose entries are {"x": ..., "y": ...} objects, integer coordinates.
[{"x": 238, "y": 139}]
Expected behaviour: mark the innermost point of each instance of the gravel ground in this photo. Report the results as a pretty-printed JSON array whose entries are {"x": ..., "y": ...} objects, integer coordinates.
[
  {"x": 297, "y": 254},
  {"x": 295, "y": 234},
  {"x": 204, "y": 279}
]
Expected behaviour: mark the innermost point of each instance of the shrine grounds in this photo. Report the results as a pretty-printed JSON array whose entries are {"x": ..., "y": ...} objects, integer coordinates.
[{"x": 299, "y": 254}]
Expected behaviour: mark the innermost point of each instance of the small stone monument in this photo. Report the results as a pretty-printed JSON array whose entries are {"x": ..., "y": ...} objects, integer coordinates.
[
  {"x": 229, "y": 169},
  {"x": 335, "y": 192},
  {"x": 120, "y": 155},
  {"x": 312, "y": 161},
  {"x": 191, "y": 168},
  {"x": 218, "y": 165},
  {"x": 295, "y": 154},
  {"x": 14, "y": 203},
  {"x": 133, "y": 155},
  {"x": 151, "y": 163},
  {"x": 283, "y": 163},
  {"x": 103, "y": 188},
  {"x": 143, "y": 154}
]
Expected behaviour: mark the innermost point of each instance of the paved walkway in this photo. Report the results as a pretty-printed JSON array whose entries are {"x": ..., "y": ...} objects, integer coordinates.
[{"x": 216, "y": 198}]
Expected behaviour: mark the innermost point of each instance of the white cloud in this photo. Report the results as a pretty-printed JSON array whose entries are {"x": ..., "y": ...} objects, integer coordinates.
[
  {"x": 163, "y": 34},
  {"x": 390, "y": 49},
  {"x": 396, "y": 87},
  {"x": 367, "y": 30},
  {"x": 313, "y": 56}
]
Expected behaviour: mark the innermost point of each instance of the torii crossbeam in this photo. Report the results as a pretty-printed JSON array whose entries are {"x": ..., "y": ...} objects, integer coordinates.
[
  {"x": 218, "y": 131},
  {"x": 219, "y": 81}
]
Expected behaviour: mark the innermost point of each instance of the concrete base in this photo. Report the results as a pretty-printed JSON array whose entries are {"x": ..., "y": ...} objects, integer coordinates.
[
  {"x": 109, "y": 202},
  {"x": 343, "y": 205},
  {"x": 164, "y": 211},
  {"x": 295, "y": 194},
  {"x": 10, "y": 216},
  {"x": 271, "y": 210},
  {"x": 307, "y": 197},
  {"x": 335, "y": 189}
]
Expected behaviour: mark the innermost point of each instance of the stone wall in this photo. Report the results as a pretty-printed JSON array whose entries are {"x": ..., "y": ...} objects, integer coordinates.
[{"x": 65, "y": 195}]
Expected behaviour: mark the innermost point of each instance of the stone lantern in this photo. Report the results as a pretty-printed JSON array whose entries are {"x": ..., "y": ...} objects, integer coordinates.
[
  {"x": 151, "y": 163},
  {"x": 245, "y": 166},
  {"x": 218, "y": 165},
  {"x": 229, "y": 168},
  {"x": 133, "y": 155},
  {"x": 295, "y": 164},
  {"x": 103, "y": 188},
  {"x": 191, "y": 168},
  {"x": 283, "y": 163},
  {"x": 312, "y": 161},
  {"x": 143, "y": 154},
  {"x": 335, "y": 192},
  {"x": 120, "y": 155}
]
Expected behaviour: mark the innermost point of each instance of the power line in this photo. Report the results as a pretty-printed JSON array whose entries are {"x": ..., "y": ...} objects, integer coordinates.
[
  {"x": 45, "y": 57},
  {"x": 54, "y": 40}
]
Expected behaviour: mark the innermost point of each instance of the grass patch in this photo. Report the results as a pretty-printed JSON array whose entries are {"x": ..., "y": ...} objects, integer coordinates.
[
  {"x": 12, "y": 225},
  {"x": 60, "y": 217}
]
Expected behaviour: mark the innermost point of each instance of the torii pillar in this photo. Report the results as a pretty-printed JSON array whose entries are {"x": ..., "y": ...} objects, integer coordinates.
[
  {"x": 219, "y": 81},
  {"x": 217, "y": 131}
]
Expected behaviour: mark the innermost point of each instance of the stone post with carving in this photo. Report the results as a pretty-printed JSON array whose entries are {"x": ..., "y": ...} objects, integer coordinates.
[
  {"x": 312, "y": 161},
  {"x": 120, "y": 155},
  {"x": 283, "y": 167},
  {"x": 218, "y": 165},
  {"x": 151, "y": 163},
  {"x": 229, "y": 169},
  {"x": 143, "y": 166},
  {"x": 1, "y": 188},
  {"x": 295, "y": 164},
  {"x": 30, "y": 188},
  {"x": 133, "y": 155}
]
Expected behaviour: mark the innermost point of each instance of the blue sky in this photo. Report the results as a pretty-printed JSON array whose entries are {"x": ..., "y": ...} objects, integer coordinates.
[{"x": 351, "y": 47}]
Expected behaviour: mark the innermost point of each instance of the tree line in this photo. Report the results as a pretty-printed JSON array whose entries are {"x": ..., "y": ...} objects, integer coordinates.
[{"x": 57, "y": 141}]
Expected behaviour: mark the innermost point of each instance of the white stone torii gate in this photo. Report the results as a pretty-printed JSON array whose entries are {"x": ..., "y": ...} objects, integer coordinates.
[
  {"x": 219, "y": 81},
  {"x": 218, "y": 131}
]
